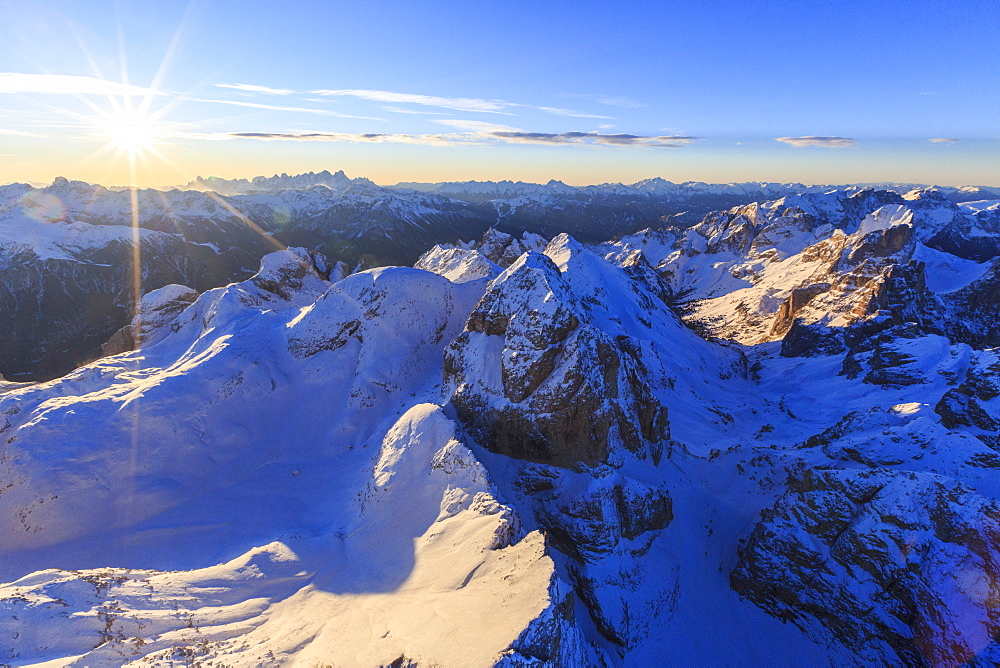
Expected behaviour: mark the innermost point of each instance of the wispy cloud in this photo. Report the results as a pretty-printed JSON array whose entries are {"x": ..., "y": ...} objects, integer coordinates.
[
  {"x": 18, "y": 133},
  {"x": 273, "y": 107},
  {"x": 343, "y": 137},
  {"x": 607, "y": 100},
  {"x": 250, "y": 88},
  {"x": 475, "y": 126},
  {"x": 66, "y": 84},
  {"x": 670, "y": 141},
  {"x": 941, "y": 140},
  {"x": 457, "y": 103},
  {"x": 827, "y": 142},
  {"x": 569, "y": 112},
  {"x": 474, "y": 104},
  {"x": 451, "y": 139},
  {"x": 399, "y": 110}
]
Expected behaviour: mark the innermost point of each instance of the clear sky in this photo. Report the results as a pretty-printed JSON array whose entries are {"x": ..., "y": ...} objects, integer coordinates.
[{"x": 156, "y": 93}]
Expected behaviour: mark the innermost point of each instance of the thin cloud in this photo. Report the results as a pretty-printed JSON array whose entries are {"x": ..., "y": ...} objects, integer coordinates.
[
  {"x": 250, "y": 88},
  {"x": 457, "y": 103},
  {"x": 941, "y": 140},
  {"x": 65, "y": 84},
  {"x": 18, "y": 133},
  {"x": 573, "y": 114},
  {"x": 474, "y": 104},
  {"x": 475, "y": 126},
  {"x": 671, "y": 141},
  {"x": 273, "y": 107},
  {"x": 827, "y": 142},
  {"x": 398, "y": 110},
  {"x": 344, "y": 137},
  {"x": 450, "y": 139}
]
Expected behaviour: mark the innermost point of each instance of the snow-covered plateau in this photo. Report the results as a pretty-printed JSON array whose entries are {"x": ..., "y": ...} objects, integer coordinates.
[{"x": 769, "y": 438}]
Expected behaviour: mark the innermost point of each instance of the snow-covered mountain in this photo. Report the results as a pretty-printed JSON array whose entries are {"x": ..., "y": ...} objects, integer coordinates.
[
  {"x": 277, "y": 183},
  {"x": 67, "y": 251},
  {"x": 769, "y": 439},
  {"x": 70, "y": 263}
]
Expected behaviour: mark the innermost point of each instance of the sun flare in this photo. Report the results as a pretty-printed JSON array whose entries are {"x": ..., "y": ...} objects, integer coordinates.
[{"x": 131, "y": 133}]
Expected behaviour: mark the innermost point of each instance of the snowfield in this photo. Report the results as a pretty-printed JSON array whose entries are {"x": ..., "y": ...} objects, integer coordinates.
[{"x": 771, "y": 439}]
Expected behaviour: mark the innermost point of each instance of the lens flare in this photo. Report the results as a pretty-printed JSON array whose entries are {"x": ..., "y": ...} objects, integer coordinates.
[{"x": 131, "y": 133}]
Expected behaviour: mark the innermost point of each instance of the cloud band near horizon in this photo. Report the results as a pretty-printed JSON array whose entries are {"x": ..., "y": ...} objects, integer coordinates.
[
  {"x": 511, "y": 137},
  {"x": 826, "y": 142}
]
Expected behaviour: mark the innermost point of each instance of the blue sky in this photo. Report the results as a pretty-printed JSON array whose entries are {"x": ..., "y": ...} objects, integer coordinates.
[{"x": 584, "y": 92}]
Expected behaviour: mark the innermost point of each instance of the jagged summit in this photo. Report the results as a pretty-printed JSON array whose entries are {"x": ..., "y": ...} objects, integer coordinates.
[{"x": 276, "y": 183}]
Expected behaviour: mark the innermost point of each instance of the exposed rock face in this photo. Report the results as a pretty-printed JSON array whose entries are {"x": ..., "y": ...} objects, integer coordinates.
[
  {"x": 503, "y": 249},
  {"x": 800, "y": 297},
  {"x": 565, "y": 389},
  {"x": 889, "y": 358},
  {"x": 291, "y": 274},
  {"x": 120, "y": 342},
  {"x": 458, "y": 265},
  {"x": 568, "y": 364},
  {"x": 802, "y": 270},
  {"x": 901, "y": 567},
  {"x": 879, "y": 292},
  {"x": 156, "y": 313},
  {"x": 841, "y": 263},
  {"x": 969, "y": 405},
  {"x": 802, "y": 340},
  {"x": 604, "y": 524},
  {"x": 591, "y": 525},
  {"x": 974, "y": 310}
]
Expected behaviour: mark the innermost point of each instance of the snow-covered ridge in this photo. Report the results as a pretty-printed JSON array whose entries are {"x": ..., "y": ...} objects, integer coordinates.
[{"x": 768, "y": 439}]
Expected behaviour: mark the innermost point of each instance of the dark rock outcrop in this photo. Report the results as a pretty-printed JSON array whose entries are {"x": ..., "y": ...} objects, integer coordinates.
[
  {"x": 965, "y": 406},
  {"x": 973, "y": 310},
  {"x": 900, "y": 567}
]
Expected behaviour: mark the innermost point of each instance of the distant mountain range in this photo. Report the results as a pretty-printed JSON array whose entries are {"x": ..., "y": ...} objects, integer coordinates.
[{"x": 66, "y": 250}]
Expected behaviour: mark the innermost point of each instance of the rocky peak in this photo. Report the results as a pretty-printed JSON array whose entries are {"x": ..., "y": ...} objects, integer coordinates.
[
  {"x": 458, "y": 265},
  {"x": 536, "y": 377},
  {"x": 290, "y": 274},
  {"x": 503, "y": 249}
]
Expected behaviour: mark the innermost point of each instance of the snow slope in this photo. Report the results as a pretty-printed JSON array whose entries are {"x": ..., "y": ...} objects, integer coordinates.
[{"x": 526, "y": 452}]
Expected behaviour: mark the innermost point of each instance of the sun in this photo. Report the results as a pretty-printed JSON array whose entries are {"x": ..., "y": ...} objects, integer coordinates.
[{"x": 131, "y": 132}]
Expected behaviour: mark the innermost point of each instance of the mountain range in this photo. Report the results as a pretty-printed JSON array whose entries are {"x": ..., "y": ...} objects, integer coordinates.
[
  {"x": 68, "y": 252},
  {"x": 768, "y": 437}
]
